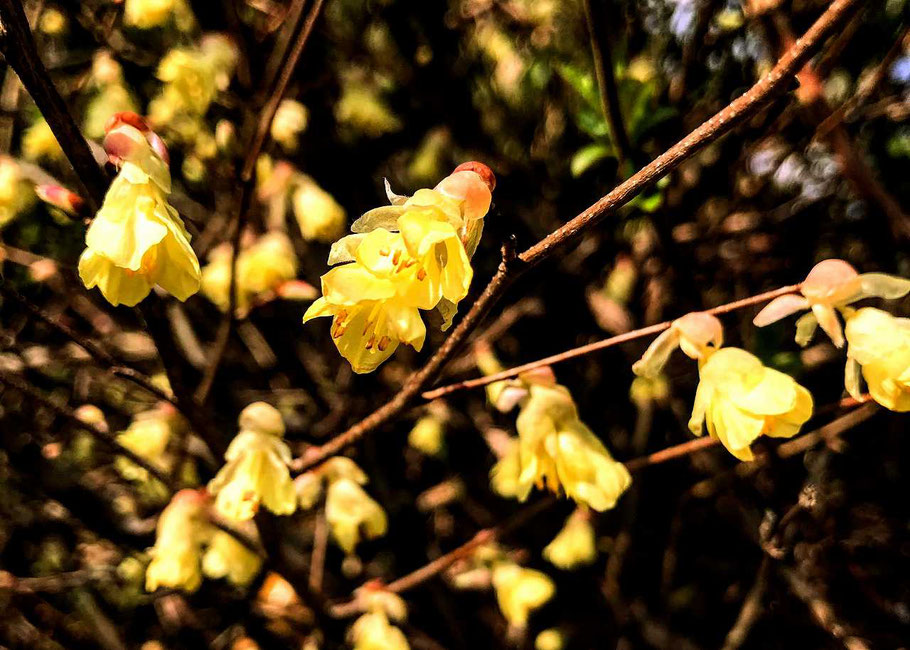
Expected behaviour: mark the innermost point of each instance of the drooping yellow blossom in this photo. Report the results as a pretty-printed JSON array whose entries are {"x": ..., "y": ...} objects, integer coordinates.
[
  {"x": 408, "y": 256},
  {"x": 427, "y": 435},
  {"x": 16, "y": 195},
  {"x": 741, "y": 399},
  {"x": 148, "y": 436},
  {"x": 574, "y": 545},
  {"x": 519, "y": 591},
  {"x": 696, "y": 334},
  {"x": 362, "y": 108},
  {"x": 256, "y": 471},
  {"x": 148, "y": 14},
  {"x": 181, "y": 532},
  {"x": 558, "y": 451},
  {"x": 289, "y": 122},
  {"x": 830, "y": 287},
  {"x": 878, "y": 347},
  {"x": 352, "y": 514},
  {"x": 551, "y": 639},
  {"x": 137, "y": 240},
  {"x": 227, "y": 558},
  {"x": 192, "y": 78},
  {"x": 40, "y": 144},
  {"x": 319, "y": 216},
  {"x": 373, "y": 631}
]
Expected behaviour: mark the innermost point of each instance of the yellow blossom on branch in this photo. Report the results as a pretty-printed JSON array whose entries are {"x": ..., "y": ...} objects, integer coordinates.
[
  {"x": 256, "y": 471},
  {"x": 878, "y": 347},
  {"x": 227, "y": 558},
  {"x": 519, "y": 591},
  {"x": 574, "y": 545},
  {"x": 352, "y": 514},
  {"x": 180, "y": 535},
  {"x": 740, "y": 399},
  {"x": 137, "y": 240},
  {"x": 829, "y": 288}
]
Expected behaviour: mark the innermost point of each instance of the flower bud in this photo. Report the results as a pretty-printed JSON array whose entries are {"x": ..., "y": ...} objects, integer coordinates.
[
  {"x": 262, "y": 418},
  {"x": 60, "y": 197}
]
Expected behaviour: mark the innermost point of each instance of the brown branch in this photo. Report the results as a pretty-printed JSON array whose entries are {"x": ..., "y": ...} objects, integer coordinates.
[
  {"x": 21, "y": 53},
  {"x": 771, "y": 85},
  {"x": 56, "y": 583},
  {"x": 802, "y": 443},
  {"x": 599, "y": 345},
  {"x": 95, "y": 431},
  {"x": 601, "y": 48},
  {"x": 247, "y": 185}
]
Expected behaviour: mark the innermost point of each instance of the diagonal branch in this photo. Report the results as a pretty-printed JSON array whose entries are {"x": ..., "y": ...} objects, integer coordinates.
[
  {"x": 599, "y": 345},
  {"x": 776, "y": 82}
]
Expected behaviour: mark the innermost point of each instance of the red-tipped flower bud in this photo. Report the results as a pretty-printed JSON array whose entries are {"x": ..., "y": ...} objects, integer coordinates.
[
  {"x": 481, "y": 170},
  {"x": 62, "y": 198}
]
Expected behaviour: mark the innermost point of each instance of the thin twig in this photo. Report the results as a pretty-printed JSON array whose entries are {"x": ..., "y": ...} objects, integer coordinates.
[
  {"x": 56, "y": 583},
  {"x": 802, "y": 443},
  {"x": 601, "y": 50},
  {"x": 771, "y": 85},
  {"x": 247, "y": 184},
  {"x": 600, "y": 345},
  {"x": 95, "y": 431},
  {"x": 317, "y": 557}
]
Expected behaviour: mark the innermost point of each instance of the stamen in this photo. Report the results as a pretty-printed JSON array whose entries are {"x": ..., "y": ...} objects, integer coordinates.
[
  {"x": 422, "y": 274},
  {"x": 371, "y": 342},
  {"x": 396, "y": 256},
  {"x": 384, "y": 343},
  {"x": 384, "y": 252}
]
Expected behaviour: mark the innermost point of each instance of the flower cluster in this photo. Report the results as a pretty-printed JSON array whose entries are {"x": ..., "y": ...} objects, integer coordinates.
[
  {"x": 148, "y": 436},
  {"x": 878, "y": 344},
  {"x": 350, "y": 512},
  {"x": 738, "y": 397},
  {"x": 555, "y": 449},
  {"x": 412, "y": 255},
  {"x": 264, "y": 270},
  {"x": 374, "y": 630},
  {"x": 137, "y": 240},
  {"x": 256, "y": 472}
]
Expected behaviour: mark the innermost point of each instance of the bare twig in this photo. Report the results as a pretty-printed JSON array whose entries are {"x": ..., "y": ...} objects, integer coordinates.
[
  {"x": 751, "y": 609},
  {"x": 56, "y": 583},
  {"x": 247, "y": 183},
  {"x": 317, "y": 557},
  {"x": 743, "y": 107},
  {"x": 601, "y": 51},
  {"x": 600, "y": 345},
  {"x": 786, "y": 450}
]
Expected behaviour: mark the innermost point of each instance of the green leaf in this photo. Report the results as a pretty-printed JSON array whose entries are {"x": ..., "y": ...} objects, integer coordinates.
[{"x": 588, "y": 156}]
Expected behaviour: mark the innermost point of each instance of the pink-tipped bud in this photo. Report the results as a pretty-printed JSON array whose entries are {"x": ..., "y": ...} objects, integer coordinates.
[
  {"x": 831, "y": 281},
  {"x": 126, "y": 117},
  {"x": 158, "y": 146},
  {"x": 125, "y": 131},
  {"x": 481, "y": 170},
  {"x": 62, "y": 198},
  {"x": 297, "y": 290}
]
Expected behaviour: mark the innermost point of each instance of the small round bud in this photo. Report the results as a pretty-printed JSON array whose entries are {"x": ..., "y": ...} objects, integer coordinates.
[{"x": 262, "y": 417}]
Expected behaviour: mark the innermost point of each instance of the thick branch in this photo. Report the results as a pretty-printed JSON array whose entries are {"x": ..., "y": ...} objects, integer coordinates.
[{"x": 770, "y": 86}]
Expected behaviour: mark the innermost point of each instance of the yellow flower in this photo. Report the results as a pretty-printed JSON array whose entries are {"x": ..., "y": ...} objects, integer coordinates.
[
  {"x": 318, "y": 214},
  {"x": 256, "y": 471},
  {"x": 427, "y": 435},
  {"x": 181, "y": 532},
  {"x": 266, "y": 264},
  {"x": 520, "y": 591},
  {"x": 289, "y": 122},
  {"x": 16, "y": 195},
  {"x": 216, "y": 279},
  {"x": 551, "y": 639},
  {"x": 40, "y": 143},
  {"x": 574, "y": 545},
  {"x": 830, "y": 286},
  {"x": 557, "y": 450},
  {"x": 137, "y": 240},
  {"x": 697, "y": 334},
  {"x": 146, "y": 14},
  {"x": 373, "y": 631},
  {"x": 878, "y": 344},
  {"x": 369, "y": 318},
  {"x": 148, "y": 436},
  {"x": 228, "y": 558},
  {"x": 362, "y": 108},
  {"x": 350, "y": 513},
  {"x": 741, "y": 399}
]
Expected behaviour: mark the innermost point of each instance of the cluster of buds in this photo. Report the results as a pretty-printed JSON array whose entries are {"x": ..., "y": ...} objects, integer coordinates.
[
  {"x": 137, "y": 240},
  {"x": 411, "y": 255},
  {"x": 352, "y": 515}
]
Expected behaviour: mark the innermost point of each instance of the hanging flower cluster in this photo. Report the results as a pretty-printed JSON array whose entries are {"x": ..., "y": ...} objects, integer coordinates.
[
  {"x": 148, "y": 436},
  {"x": 374, "y": 630},
  {"x": 412, "y": 255},
  {"x": 188, "y": 546},
  {"x": 738, "y": 397},
  {"x": 878, "y": 348},
  {"x": 265, "y": 269},
  {"x": 352, "y": 515},
  {"x": 137, "y": 240},
  {"x": 555, "y": 449},
  {"x": 256, "y": 472}
]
